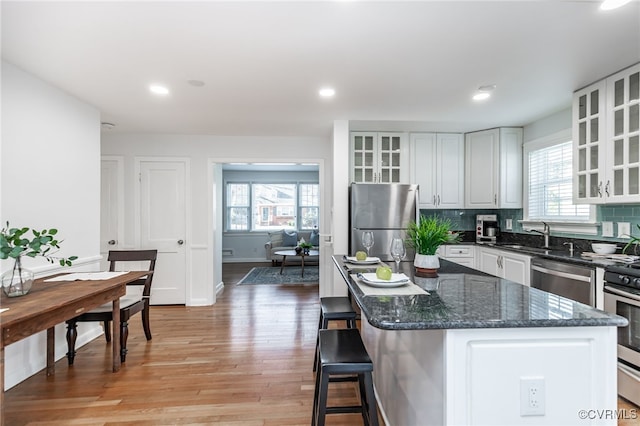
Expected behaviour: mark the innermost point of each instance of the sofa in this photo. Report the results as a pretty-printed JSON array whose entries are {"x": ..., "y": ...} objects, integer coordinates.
[{"x": 286, "y": 239}]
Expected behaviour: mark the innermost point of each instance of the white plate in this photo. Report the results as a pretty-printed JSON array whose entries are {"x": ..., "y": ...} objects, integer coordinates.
[
  {"x": 367, "y": 261},
  {"x": 397, "y": 280}
]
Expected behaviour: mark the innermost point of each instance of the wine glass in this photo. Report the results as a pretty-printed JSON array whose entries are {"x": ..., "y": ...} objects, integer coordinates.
[
  {"x": 367, "y": 240},
  {"x": 398, "y": 252}
]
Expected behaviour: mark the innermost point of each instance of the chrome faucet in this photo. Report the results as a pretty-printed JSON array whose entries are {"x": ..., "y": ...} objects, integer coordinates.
[
  {"x": 570, "y": 244},
  {"x": 545, "y": 232}
]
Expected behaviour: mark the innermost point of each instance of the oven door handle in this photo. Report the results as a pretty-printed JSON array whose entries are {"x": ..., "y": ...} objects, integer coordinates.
[
  {"x": 621, "y": 293},
  {"x": 561, "y": 274}
]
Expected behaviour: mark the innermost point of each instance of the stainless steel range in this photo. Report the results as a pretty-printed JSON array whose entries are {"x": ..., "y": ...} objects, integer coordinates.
[{"x": 622, "y": 297}]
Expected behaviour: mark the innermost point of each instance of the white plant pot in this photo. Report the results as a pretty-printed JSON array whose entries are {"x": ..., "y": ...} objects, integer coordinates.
[
  {"x": 426, "y": 261},
  {"x": 427, "y": 264}
]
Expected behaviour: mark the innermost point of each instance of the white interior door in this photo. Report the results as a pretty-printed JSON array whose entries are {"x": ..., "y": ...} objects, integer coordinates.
[
  {"x": 111, "y": 206},
  {"x": 163, "y": 227}
]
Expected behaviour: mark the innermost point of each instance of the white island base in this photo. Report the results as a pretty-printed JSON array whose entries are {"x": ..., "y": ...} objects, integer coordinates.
[{"x": 485, "y": 376}]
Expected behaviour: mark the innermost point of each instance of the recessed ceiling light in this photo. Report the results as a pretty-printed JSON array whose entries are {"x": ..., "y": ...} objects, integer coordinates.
[
  {"x": 159, "y": 90},
  {"x": 196, "y": 83},
  {"x": 613, "y": 4},
  {"x": 484, "y": 92},
  {"x": 481, "y": 96},
  {"x": 327, "y": 92}
]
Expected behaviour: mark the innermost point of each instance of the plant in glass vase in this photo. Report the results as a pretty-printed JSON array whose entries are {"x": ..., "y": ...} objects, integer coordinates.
[{"x": 14, "y": 244}]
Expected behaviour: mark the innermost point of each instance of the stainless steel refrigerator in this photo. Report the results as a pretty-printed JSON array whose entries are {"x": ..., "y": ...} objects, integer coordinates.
[{"x": 384, "y": 209}]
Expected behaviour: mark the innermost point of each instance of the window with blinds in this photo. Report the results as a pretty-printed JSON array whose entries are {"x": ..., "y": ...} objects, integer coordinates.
[{"x": 551, "y": 185}]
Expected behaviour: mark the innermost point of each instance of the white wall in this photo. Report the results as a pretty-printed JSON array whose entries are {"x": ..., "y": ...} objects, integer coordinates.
[
  {"x": 50, "y": 178},
  {"x": 205, "y": 152},
  {"x": 548, "y": 125}
]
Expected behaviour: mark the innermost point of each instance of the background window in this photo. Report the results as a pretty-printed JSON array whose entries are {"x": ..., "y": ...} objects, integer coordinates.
[
  {"x": 237, "y": 206},
  {"x": 309, "y": 205},
  {"x": 280, "y": 199},
  {"x": 551, "y": 185},
  {"x": 269, "y": 206}
]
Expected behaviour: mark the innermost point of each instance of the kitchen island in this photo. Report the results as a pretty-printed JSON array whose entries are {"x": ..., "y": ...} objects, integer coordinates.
[{"x": 469, "y": 348}]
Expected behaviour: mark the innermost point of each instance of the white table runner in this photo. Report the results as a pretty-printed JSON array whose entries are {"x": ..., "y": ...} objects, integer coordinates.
[{"x": 105, "y": 275}]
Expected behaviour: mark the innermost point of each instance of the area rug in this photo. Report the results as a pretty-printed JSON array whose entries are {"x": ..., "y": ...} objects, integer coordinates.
[{"x": 290, "y": 275}]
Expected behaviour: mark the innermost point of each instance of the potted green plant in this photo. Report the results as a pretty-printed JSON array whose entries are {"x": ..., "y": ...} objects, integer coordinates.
[
  {"x": 15, "y": 244},
  {"x": 635, "y": 241},
  {"x": 425, "y": 236},
  {"x": 304, "y": 246}
]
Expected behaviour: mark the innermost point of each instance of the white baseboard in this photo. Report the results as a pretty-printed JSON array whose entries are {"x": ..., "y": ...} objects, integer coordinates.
[{"x": 247, "y": 260}]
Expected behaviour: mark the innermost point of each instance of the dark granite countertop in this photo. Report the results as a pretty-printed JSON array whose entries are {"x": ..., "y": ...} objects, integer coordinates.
[
  {"x": 561, "y": 255},
  {"x": 461, "y": 297},
  {"x": 530, "y": 245}
]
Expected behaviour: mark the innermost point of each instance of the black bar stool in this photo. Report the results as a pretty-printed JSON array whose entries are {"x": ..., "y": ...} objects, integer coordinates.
[
  {"x": 341, "y": 351},
  {"x": 334, "y": 309}
]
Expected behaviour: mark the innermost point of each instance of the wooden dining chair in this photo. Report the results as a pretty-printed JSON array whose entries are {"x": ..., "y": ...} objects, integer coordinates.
[{"x": 130, "y": 304}]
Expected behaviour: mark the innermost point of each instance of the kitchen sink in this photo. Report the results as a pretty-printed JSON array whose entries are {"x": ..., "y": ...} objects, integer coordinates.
[{"x": 524, "y": 248}]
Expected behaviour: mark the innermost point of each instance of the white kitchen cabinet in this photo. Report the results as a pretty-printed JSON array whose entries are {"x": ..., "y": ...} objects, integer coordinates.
[
  {"x": 588, "y": 143},
  {"x": 606, "y": 140},
  {"x": 458, "y": 253},
  {"x": 623, "y": 129},
  {"x": 493, "y": 168},
  {"x": 504, "y": 264},
  {"x": 379, "y": 157},
  {"x": 438, "y": 169}
]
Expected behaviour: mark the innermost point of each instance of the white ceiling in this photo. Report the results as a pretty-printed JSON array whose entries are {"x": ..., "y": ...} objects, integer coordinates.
[{"x": 263, "y": 62}]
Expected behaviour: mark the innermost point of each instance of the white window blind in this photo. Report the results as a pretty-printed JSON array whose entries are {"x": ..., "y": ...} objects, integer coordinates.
[{"x": 551, "y": 185}]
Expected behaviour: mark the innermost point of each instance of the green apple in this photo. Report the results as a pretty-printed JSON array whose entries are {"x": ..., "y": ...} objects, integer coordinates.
[
  {"x": 383, "y": 273},
  {"x": 361, "y": 255}
]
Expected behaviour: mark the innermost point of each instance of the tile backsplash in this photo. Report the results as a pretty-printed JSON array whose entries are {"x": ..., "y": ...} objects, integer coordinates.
[{"x": 464, "y": 219}]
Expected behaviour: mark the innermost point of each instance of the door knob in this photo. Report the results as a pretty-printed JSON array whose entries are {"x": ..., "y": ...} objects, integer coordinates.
[
  {"x": 180, "y": 242},
  {"x": 112, "y": 242}
]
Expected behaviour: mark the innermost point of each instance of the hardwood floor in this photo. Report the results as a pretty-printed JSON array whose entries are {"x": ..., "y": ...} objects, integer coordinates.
[{"x": 245, "y": 361}]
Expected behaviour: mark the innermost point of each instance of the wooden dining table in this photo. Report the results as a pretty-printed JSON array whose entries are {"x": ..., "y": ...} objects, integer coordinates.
[{"x": 52, "y": 302}]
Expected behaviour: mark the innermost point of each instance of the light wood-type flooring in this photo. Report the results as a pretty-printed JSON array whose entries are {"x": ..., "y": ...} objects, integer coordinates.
[{"x": 245, "y": 361}]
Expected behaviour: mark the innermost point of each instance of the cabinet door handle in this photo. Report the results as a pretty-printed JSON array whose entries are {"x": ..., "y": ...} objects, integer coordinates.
[
  {"x": 600, "y": 189},
  {"x": 606, "y": 188},
  {"x": 438, "y": 199},
  {"x": 495, "y": 199}
]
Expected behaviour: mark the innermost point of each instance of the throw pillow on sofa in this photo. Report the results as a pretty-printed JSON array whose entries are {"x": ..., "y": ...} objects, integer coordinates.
[
  {"x": 314, "y": 238},
  {"x": 289, "y": 238}
]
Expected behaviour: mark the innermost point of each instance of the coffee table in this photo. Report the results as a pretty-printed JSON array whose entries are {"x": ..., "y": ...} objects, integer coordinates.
[{"x": 301, "y": 255}]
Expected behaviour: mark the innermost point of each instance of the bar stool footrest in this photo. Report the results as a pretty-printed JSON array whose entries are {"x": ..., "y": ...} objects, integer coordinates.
[{"x": 344, "y": 410}]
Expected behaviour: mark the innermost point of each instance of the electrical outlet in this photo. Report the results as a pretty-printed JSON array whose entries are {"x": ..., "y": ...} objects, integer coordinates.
[
  {"x": 607, "y": 229},
  {"x": 624, "y": 230},
  {"x": 532, "y": 396},
  {"x": 509, "y": 224}
]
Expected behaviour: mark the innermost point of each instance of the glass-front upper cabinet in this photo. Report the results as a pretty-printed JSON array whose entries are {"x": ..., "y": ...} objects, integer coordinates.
[
  {"x": 623, "y": 132},
  {"x": 379, "y": 157},
  {"x": 588, "y": 143},
  {"x": 362, "y": 156},
  {"x": 606, "y": 139}
]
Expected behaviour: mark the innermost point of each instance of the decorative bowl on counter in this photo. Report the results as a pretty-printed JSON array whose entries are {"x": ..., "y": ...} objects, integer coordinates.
[{"x": 601, "y": 248}]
